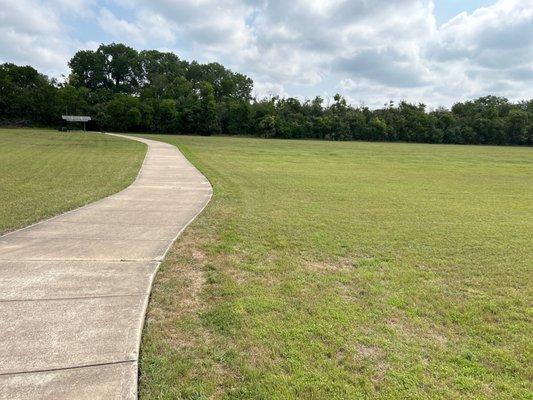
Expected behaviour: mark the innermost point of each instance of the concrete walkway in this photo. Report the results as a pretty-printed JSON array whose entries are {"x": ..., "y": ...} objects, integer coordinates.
[{"x": 74, "y": 288}]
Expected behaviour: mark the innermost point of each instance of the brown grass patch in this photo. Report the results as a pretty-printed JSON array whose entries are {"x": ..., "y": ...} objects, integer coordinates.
[
  {"x": 342, "y": 265},
  {"x": 198, "y": 255}
]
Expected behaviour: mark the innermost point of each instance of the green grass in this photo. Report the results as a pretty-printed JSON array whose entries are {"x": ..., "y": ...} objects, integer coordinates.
[
  {"x": 45, "y": 172},
  {"x": 347, "y": 270}
]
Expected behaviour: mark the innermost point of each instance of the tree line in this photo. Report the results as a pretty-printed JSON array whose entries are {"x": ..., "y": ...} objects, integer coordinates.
[{"x": 152, "y": 91}]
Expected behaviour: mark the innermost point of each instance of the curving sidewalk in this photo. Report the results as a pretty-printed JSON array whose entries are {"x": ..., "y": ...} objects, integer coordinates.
[{"x": 74, "y": 288}]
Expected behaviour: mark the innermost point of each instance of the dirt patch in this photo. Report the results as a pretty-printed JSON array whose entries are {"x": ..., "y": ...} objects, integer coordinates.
[
  {"x": 368, "y": 351},
  {"x": 195, "y": 279},
  {"x": 345, "y": 264},
  {"x": 198, "y": 255},
  {"x": 342, "y": 265},
  {"x": 376, "y": 357}
]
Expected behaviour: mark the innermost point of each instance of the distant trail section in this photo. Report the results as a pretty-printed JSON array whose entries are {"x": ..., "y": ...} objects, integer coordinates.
[{"x": 74, "y": 288}]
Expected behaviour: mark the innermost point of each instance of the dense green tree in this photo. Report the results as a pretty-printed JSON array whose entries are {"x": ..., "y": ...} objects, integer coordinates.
[
  {"x": 159, "y": 70},
  {"x": 377, "y": 129},
  {"x": 25, "y": 94},
  {"x": 165, "y": 117},
  {"x": 73, "y": 101},
  {"x": 238, "y": 117},
  {"x": 208, "y": 123},
  {"x": 517, "y": 123},
  {"x": 156, "y": 91},
  {"x": 225, "y": 83},
  {"x": 88, "y": 70},
  {"x": 268, "y": 126},
  {"x": 122, "y": 67},
  {"x": 156, "y": 64},
  {"x": 123, "y": 113}
]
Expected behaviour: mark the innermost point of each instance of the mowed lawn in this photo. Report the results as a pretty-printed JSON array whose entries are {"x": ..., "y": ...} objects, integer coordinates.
[
  {"x": 328, "y": 270},
  {"x": 45, "y": 172}
]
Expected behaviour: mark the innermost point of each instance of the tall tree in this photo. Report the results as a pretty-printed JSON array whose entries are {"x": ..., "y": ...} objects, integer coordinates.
[
  {"x": 208, "y": 123},
  {"x": 88, "y": 69},
  {"x": 122, "y": 67}
]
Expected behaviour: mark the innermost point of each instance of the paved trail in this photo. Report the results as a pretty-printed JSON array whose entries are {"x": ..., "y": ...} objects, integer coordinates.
[{"x": 74, "y": 289}]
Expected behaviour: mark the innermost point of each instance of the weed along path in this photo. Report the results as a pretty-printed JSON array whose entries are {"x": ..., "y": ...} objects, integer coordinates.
[{"x": 74, "y": 288}]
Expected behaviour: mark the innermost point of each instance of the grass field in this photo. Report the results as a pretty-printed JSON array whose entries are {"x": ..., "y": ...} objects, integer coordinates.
[
  {"x": 348, "y": 270},
  {"x": 44, "y": 172}
]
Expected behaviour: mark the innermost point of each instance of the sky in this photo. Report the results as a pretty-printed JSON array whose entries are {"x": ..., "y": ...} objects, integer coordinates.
[{"x": 371, "y": 51}]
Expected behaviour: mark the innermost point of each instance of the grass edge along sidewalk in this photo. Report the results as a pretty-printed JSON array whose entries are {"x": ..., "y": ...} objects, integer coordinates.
[{"x": 45, "y": 173}]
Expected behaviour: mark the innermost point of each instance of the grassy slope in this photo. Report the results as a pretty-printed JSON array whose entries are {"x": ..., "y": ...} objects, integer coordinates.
[
  {"x": 347, "y": 270},
  {"x": 44, "y": 172}
]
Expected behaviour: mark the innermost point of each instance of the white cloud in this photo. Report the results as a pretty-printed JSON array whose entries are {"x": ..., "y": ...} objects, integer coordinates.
[
  {"x": 148, "y": 29},
  {"x": 269, "y": 89},
  {"x": 212, "y": 28},
  {"x": 489, "y": 51},
  {"x": 28, "y": 17},
  {"x": 73, "y": 8},
  {"x": 304, "y": 43},
  {"x": 119, "y": 28},
  {"x": 369, "y": 50},
  {"x": 31, "y": 33}
]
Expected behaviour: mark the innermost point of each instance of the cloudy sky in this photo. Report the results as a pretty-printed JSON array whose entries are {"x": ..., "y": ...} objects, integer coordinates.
[{"x": 371, "y": 51}]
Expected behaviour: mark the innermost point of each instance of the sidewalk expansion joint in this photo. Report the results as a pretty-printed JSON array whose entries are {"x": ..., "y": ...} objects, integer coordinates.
[
  {"x": 30, "y": 236},
  {"x": 105, "y": 296},
  {"x": 37, "y": 371},
  {"x": 158, "y": 259}
]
